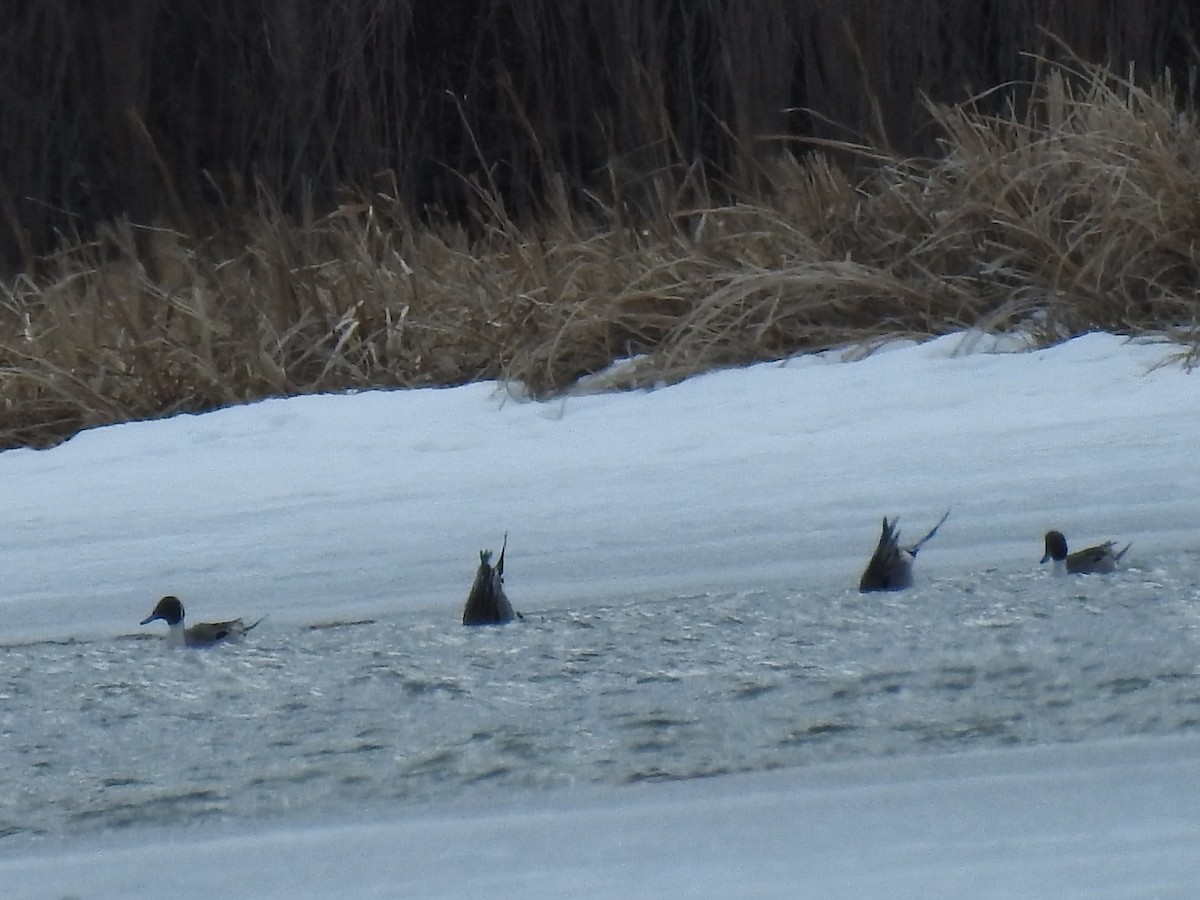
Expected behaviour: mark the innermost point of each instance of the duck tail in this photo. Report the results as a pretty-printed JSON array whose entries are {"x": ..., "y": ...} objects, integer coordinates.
[
  {"x": 889, "y": 535},
  {"x": 876, "y": 576},
  {"x": 500, "y": 562},
  {"x": 1117, "y": 556},
  {"x": 250, "y": 628},
  {"x": 932, "y": 531}
]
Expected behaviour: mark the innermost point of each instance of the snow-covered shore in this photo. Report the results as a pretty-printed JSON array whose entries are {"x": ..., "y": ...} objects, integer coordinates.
[{"x": 326, "y": 506}]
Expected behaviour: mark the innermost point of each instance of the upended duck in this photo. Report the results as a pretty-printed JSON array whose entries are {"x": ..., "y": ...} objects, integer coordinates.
[
  {"x": 1098, "y": 560},
  {"x": 487, "y": 604},
  {"x": 890, "y": 567},
  {"x": 205, "y": 634}
]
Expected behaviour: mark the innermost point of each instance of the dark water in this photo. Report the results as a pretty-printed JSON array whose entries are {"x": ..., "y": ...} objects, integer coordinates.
[{"x": 347, "y": 720}]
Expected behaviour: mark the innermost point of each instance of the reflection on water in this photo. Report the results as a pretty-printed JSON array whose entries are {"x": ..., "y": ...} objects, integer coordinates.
[{"x": 367, "y": 716}]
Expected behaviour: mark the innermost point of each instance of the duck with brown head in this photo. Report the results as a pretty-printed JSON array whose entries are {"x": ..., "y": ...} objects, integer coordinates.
[
  {"x": 204, "y": 634},
  {"x": 1099, "y": 560}
]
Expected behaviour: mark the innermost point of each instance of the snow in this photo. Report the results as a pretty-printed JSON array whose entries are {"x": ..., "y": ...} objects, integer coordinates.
[{"x": 330, "y": 507}]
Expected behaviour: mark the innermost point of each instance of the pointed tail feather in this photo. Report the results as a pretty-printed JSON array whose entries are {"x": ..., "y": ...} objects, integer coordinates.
[
  {"x": 500, "y": 563},
  {"x": 889, "y": 535},
  {"x": 932, "y": 531}
]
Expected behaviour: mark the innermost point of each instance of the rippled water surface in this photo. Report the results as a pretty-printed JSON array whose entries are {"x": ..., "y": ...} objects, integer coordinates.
[{"x": 347, "y": 719}]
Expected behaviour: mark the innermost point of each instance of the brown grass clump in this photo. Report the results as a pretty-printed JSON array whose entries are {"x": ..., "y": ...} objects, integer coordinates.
[{"x": 1078, "y": 214}]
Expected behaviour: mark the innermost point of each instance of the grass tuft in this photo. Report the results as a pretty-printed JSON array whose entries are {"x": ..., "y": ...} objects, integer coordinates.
[{"x": 1077, "y": 214}]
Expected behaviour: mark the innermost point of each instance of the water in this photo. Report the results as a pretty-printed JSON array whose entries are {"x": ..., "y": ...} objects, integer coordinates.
[{"x": 352, "y": 719}]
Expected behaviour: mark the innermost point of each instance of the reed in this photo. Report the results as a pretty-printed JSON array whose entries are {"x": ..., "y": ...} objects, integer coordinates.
[
  {"x": 180, "y": 112},
  {"x": 1069, "y": 212}
]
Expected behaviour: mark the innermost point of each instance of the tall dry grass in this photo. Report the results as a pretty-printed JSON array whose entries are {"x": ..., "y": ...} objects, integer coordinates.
[
  {"x": 157, "y": 111},
  {"x": 1075, "y": 213}
]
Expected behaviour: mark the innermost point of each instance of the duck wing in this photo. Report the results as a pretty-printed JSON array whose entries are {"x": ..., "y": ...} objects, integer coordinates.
[
  {"x": 213, "y": 632},
  {"x": 1100, "y": 560}
]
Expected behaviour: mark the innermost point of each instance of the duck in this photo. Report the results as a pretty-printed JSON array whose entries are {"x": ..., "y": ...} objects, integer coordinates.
[
  {"x": 1098, "y": 560},
  {"x": 205, "y": 634},
  {"x": 487, "y": 604},
  {"x": 890, "y": 567}
]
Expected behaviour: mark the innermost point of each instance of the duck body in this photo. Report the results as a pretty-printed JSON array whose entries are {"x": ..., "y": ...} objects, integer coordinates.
[
  {"x": 204, "y": 634},
  {"x": 1099, "y": 560},
  {"x": 890, "y": 566},
  {"x": 487, "y": 603}
]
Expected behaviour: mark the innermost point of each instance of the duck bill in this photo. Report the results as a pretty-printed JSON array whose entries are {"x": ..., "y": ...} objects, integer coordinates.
[{"x": 150, "y": 618}]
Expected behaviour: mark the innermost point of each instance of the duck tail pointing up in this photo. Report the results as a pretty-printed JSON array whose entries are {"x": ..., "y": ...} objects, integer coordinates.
[
  {"x": 889, "y": 535},
  {"x": 932, "y": 531},
  {"x": 1117, "y": 556},
  {"x": 500, "y": 562}
]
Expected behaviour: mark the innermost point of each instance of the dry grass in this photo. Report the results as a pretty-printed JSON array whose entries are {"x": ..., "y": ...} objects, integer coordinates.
[{"x": 1077, "y": 214}]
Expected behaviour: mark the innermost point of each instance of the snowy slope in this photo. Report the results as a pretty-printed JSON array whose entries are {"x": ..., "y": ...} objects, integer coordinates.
[{"x": 333, "y": 505}]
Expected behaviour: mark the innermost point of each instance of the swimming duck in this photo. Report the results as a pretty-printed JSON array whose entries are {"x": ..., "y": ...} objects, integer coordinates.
[
  {"x": 890, "y": 568},
  {"x": 1098, "y": 560},
  {"x": 486, "y": 604},
  {"x": 170, "y": 610}
]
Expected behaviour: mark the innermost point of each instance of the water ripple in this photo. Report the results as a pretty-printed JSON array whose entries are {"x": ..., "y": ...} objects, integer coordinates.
[{"x": 343, "y": 718}]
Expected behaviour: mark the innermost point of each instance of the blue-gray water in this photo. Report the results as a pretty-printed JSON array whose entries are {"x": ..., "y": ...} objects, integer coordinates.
[{"x": 360, "y": 719}]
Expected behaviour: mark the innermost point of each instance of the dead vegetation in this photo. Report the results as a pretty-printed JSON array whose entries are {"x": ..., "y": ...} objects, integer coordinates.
[{"x": 1077, "y": 213}]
